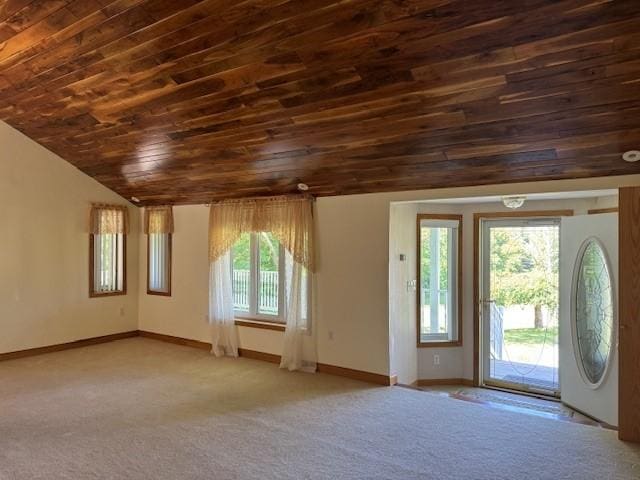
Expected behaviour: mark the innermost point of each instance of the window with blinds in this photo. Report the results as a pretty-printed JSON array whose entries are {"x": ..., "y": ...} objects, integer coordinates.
[
  {"x": 108, "y": 228},
  {"x": 159, "y": 264},
  {"x": 107, "y": 258}
]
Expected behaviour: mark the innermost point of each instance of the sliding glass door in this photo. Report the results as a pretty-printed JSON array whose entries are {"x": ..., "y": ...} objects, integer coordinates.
[{"x": 520, "y": 259}]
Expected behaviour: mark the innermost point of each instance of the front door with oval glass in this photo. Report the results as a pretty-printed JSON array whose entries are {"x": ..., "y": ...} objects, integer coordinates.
[{"x": 588, "y": 324}]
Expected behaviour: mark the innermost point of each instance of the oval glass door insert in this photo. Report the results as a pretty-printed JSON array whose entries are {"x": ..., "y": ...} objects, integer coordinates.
[{"x": 593, "y": 312}]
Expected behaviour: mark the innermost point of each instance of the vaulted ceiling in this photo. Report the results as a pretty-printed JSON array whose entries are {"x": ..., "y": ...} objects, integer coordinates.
[{"x": 186, "y": 101}]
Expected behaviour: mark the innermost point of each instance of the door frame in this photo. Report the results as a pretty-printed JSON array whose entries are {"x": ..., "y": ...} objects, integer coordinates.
[
  {"x": 628, "y": 314},
  {"x": 477, "y": 258}
]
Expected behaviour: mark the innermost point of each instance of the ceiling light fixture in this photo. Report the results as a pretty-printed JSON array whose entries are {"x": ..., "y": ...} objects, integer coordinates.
[
  {"x": 631, "y": 156},
  {"x": 135, "y": 199},
  {"x": 303, "y": 187},
  {"x": 514, "y": 201}
]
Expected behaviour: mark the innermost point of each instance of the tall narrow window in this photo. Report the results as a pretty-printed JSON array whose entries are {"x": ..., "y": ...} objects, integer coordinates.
[
  {"x": 439, "y": 260},
  {"x": 107, "y": 250},
  {"x": 159, "y": 229},
  {"x": 258, "y": 277},
  {"x": 159, "y": 264}
]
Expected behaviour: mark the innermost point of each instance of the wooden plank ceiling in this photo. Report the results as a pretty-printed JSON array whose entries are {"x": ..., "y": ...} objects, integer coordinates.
[{"x": 186, "y": 101}]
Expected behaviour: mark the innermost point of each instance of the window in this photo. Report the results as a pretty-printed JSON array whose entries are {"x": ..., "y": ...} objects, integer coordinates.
[
  {"x": 107, "y": 258},
  {"x": 159, "y": 264},
  {"x": 593, "y": 314},
  {"x": 439, "y": 277},
  {"x": 258, "y": 279},
  {"x": 158, "y": 225}
]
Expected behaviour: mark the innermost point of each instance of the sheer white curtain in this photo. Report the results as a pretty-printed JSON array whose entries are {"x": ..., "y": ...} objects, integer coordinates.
[
  {"x": 299, "y": 351},
  {"x": 224, "y": 336},
  {"x": 290, "y": 220}
]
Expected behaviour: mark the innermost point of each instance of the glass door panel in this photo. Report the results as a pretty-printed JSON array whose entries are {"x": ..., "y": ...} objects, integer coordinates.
[{"x": 520, "y": 304}]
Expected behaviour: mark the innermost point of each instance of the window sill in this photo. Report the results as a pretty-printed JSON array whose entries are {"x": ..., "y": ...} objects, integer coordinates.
[
  {"x": 159, "y": 294},
  {"x": 106, "y": 294},
  {"x": 443, "y": 344},
  {"x": 242, "y": 322}
]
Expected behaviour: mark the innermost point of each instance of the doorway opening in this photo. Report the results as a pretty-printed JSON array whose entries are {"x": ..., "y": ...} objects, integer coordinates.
[
  {"x": 531, "y": 309},
  {"x": 519, "y": 302}
]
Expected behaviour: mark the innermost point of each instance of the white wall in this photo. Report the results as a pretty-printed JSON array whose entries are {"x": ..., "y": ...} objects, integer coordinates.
[
  {"x": 403, "y": 293},
  {"x": 44, "y": 251},
  {"x": 352, "y": 294},
  {"x": 184, "y": 314},
  {"x": 455, "y": 362}
]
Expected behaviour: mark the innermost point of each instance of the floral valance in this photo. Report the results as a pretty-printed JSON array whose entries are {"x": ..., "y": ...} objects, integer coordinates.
[
  {"x": 108, "y": 219},
  {"x": 158, "y": 219},
  {"x": 289, "y": 219}
]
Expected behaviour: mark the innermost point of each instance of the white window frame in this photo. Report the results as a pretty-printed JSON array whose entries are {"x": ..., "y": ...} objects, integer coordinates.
[
  {"x": 453, "y": 336},
  {"x": 254, "y": 275}
]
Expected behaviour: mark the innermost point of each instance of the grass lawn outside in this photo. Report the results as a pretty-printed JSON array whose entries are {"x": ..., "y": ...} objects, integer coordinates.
[{"x": 531, "y": 336}]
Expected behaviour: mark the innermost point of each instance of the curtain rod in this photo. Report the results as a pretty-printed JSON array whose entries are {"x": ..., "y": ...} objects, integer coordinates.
[
  {"x": 107, "y": 205},
  {"x": 300, "y": 196}
]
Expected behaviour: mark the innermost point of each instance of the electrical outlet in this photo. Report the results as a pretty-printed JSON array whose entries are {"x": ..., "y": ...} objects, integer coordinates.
[
  {"x": 330, "y": 334},
  {"x": 436, "y": 359},
  {"x": 122, "y": 311}
]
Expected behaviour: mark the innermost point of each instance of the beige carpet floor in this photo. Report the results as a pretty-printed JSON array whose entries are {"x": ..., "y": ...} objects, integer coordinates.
[{"x": 141, "y": 409}]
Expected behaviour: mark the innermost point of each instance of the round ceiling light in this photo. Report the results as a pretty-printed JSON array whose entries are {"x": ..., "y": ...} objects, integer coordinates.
[
  {"x": 303, "y": 187},
  {"x": 135, "y": 199},
  {"x": 514, "y": 201},
  {"x": 631, "y": 156}
]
